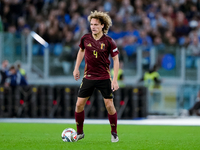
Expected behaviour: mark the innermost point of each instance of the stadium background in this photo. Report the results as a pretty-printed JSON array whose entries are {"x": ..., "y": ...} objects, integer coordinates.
[{"x": 164, "y": 32}]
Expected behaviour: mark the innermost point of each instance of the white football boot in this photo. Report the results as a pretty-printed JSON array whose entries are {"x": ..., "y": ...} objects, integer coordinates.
[
  {"x": 114, "y": 137},
  {"x": 80, "y": 136}
]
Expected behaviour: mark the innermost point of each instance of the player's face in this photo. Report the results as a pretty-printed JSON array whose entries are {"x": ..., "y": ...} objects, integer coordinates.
[{"x": 96, "y": 26}]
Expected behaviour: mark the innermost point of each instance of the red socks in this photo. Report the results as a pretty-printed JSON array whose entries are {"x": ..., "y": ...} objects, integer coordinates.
[
  {"x": 113, "y": 122},
  {"x": 79, "y": 117}
]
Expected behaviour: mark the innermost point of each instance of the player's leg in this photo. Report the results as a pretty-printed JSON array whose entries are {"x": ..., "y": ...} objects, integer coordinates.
[
  {"x": 112, "y": 116},
  {"x": 110, "y": 106},
  {"x": 105, "y": 88},
  {"x": 85, "y": 91},
  {"x": 79, "y": 114}
]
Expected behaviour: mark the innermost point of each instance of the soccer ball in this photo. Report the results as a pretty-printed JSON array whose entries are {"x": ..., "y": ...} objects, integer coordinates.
[{"x": 69, "y": 135}]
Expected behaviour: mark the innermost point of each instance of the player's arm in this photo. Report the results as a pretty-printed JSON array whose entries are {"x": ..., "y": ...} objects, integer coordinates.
[
  {"x": 79, "y": 59},
  {"x": 115, "y": 85}
]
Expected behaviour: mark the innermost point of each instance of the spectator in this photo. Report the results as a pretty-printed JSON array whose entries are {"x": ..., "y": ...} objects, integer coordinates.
[
  {"x": 130, "y": 47},
  {"x": 144, "y": 39},
  {"x": 137, "y": 16},
  {"x": 12, "y": 29},
  {"x": 62, "y": 14},
  {"x": 193, "y": 34},
  {"x": 125, "y": 10},
  {"x": 54, "y": 30},
  {"x": 117, "y": 33},
  {"x": 181, "y": 25},
  {"x": 171, "y": 47},
  {"x": 4, "y": 71},
  {"x": 192, "y": 13},
  {"x": 81, "y": 29},
  {"x": 167, "y": 36},
  {"x": 151, "y": 79},
  {"x": 68, "y": 54},
  {"x": 196, "y": 107},
  {"x": 146, "y": 25},
  {"x": 152, "y": 10},
  {"x": 108, "y": 5},
  {"x": 193, "y": 52},
  {"x": 21, "y": 70},
  {"x": 131, "y": 30},
  {"x": 15, "y": 78},
  {"x": 22, "y": 26},
  {"x": 159, "y": 44},
  {"x": 194, "y": 47},
  {"x": 6, "y": 16}
]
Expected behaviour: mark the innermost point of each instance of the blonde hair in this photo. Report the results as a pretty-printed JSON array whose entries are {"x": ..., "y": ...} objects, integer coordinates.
[{"x": 103, "y": 17}]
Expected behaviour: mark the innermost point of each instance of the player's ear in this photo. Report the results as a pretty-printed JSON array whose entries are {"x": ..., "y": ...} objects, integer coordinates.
[{"x": 102, "y": 26}]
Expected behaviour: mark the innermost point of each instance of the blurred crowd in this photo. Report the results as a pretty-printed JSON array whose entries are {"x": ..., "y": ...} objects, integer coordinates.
[
  {"x": 12, "y": 75},
  {"x": 164, "y": 24}
]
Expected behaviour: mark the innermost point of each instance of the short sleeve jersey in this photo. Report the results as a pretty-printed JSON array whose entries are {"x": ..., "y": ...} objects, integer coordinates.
[{"x": 97, "y": 56}]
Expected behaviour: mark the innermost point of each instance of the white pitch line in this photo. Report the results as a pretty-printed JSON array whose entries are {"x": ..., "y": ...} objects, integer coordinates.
[{"x": 174, "y": 122}]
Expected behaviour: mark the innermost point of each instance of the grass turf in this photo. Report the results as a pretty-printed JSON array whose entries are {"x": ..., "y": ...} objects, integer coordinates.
[{"x": 29, "y": 136}]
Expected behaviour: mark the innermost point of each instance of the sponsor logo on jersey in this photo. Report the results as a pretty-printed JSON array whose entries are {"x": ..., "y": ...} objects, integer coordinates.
[
  {"x": 89, "y": 45},
  {"x": 102, "y": 45}
]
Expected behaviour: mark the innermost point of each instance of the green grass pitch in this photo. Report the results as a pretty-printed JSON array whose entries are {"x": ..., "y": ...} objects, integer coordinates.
[{"x": 39, "y": 136}]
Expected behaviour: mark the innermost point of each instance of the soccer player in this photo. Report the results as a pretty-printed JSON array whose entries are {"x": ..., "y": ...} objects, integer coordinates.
[{"x": 96, "y": 47}]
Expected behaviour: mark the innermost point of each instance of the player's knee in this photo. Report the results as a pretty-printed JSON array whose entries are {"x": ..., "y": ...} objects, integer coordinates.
[
  {"x": 109, "y": 106},
  {"x": 79, "y": 106}
]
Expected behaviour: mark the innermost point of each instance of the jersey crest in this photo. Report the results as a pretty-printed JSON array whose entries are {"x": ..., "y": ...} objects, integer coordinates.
[{"x": 102, "y": 45}]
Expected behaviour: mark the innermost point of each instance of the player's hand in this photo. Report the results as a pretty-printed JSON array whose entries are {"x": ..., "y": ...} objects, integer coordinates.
[
  {"x": 114, "y": 86},
  {"x": 76, "y": 74}
]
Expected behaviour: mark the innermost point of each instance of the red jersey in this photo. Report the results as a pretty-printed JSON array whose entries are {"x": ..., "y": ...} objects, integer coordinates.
[{"x": 97, "y": 56}]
